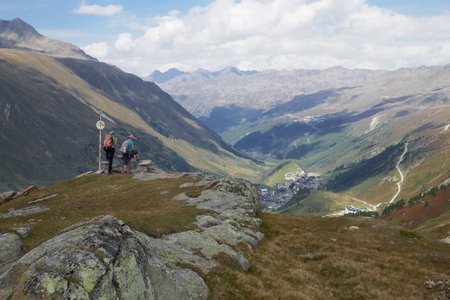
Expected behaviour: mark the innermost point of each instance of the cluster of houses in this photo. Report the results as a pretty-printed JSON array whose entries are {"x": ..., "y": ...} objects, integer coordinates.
[{"x": 273, "y": 199}]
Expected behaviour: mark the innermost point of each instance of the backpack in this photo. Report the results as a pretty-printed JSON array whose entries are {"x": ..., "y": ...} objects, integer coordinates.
[
  {"x": 108, "y": 142},
  {"x": 124, "y": 148}
]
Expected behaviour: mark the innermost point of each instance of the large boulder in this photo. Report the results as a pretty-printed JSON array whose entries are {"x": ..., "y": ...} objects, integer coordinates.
[{"x": 104, "y": 259}]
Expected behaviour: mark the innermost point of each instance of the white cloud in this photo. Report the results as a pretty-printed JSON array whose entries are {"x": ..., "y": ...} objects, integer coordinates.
[
  {"x": 124, "y": 42},
  {"x": 97, "y": 50},
  {"x": 98, "y": 10},
  {"x": 284, "y": 34}
]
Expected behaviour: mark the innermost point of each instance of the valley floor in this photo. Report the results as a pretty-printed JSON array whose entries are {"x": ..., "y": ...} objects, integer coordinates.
[{"x": 321, "y": 258}]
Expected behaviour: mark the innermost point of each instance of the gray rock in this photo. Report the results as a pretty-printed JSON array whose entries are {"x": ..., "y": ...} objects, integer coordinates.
[
  {"x": 42, "y": 199},
  {"x": 186, "y": 185},
  {"x": 259, "y": 236},
  {"x": 25, "y": 211},
  {"x": 104, "y": 258},
  {"x": 84, "y": 174},
  {"x": 256, "y": 235},
  {"x": 22, "y": 231},
  {"x": 353, "y": 228},
  {"x": 429, "y": 284},
  {"x": 145, "y": 163},
  {"x": 446, "y": 240},
  {"x": 229, "y": 234},
  {"x": 9, "y": 251},
  {"x": 6, "y": 196},
  {"x": 144, "y": 167},
  {"x": 26, "y": 191},
  {"x": 209, "y": 247},
  {"x": 205, "y": 221}
]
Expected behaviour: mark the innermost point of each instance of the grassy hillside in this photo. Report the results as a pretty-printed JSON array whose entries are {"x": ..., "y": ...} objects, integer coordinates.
[
  {"x": 320, "y": 203},
  {"x": 277, "y": 174},
  {"x": 426, "y": 164},
  {"x": 320, "y": 258}
]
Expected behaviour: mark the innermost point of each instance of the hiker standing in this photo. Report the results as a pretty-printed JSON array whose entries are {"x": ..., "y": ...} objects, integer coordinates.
[
  {"x": 109, "y": 145},
  {"x": 129, "y": 151}
]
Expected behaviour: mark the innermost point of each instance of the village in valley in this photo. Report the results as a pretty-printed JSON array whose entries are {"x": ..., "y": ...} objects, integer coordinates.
[{"x": 273, "y": 199}]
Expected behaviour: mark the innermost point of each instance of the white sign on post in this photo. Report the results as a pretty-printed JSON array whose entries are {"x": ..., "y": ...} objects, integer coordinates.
[{"x": 100, "y": 125}]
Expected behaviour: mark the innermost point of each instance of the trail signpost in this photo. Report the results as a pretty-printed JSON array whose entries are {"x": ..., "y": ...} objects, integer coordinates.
[{"x": 100, "y": 126}]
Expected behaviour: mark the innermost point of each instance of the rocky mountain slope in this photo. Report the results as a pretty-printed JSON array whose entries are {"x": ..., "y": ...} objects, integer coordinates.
[
  {"x": 17, "y": 34},
  {"x": 202, "y": 91},
  {"x": 50, "y": 105}
]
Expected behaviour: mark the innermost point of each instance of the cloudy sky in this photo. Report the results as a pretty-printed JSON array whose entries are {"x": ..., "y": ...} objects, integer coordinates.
[{"x": 140, "y": 36}]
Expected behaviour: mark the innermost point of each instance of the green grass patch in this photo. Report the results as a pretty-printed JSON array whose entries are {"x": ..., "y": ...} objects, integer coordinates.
[{"x": 409, "y": 234}]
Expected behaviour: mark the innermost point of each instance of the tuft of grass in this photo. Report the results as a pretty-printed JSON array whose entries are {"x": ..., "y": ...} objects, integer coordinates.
[
  {"x": 193, "y": 192},
  {"x": 409, "y": 234}
]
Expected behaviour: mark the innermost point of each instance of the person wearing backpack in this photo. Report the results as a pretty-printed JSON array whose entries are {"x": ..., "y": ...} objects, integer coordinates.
[
  {"x": 109, "y": 145},
  {"x": 129, "y": 151}
]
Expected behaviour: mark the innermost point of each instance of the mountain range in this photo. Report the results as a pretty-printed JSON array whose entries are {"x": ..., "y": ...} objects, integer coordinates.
[
  {"x": 201, "y": 91},
  {"x": 335, "y": 121},
  {"x": 50, "y": 101}
]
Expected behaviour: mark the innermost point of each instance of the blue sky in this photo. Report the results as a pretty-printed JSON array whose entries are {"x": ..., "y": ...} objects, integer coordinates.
[
  {"x": 56, "y": 18},
  {"x": 142, "y": 35},
  {"x": 414, "y": 7}
]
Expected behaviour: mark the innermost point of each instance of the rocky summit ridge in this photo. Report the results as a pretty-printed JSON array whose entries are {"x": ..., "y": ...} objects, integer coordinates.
[
  {"x": 103, "y": 258},
  {"x": 17, "y": 34}
]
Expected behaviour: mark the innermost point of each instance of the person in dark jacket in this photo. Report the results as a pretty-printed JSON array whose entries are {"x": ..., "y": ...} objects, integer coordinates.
[{"x": 109, "y": 145}]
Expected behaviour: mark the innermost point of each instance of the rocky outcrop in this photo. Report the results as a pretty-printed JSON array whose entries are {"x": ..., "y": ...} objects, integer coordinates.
[
  {"x": 9, "y": 251},
  {"x": 105, "y": 259},
  {"x": 25, "y": 211},
  {"x": 6, "y": 196}
]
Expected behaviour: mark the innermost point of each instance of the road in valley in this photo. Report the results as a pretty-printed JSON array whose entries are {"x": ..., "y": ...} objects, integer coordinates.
[
  {"x": 399, "y": 187},
  {"x": 399, "y": 184}
]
